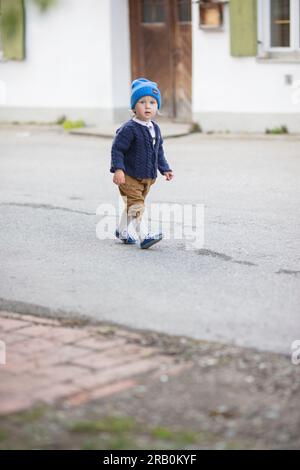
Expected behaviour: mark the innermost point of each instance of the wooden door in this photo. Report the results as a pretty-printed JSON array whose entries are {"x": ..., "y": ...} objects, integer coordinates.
[{"x": 161, "y": 43}]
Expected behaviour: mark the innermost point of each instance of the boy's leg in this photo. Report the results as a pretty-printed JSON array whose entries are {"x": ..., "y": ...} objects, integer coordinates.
[
  {"x": 133, "y": 190},
  {"x": 141, "y": 226},
  {"x": 123, "y": 223},
  {"x": 136, "y": 190},
  {"x": 132, "y": 194},
  {"x": 126, "y": 229}
]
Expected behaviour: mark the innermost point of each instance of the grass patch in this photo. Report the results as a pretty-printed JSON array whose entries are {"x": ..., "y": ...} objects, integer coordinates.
[
  {"x": 61, "y": 119},
  {"x": 68, "y": 124},
  {"x": 121, "y": 442},
  {"x": 30, "y": 416},
  {"x": 109, "y": 424},
  {"x": 195, "y": 127},
  {"x": 3, "y": 436},
  {"x": 125, "y": 433},
  {"x": 34, "y": 429},
  {"x": 277, "y": 130},
  {"x": 181, "y": 438}
]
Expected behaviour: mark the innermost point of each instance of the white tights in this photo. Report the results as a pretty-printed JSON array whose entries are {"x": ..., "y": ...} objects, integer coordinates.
[{"x": 133, "y": 226}]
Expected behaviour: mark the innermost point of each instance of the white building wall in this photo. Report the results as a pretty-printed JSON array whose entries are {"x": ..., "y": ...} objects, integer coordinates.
[
  {"x": 74, "y": 64},
  {"x": 120, "y": 59},
  {"x": 78, "y": 64},
  {"x": 239, "y": 93}
]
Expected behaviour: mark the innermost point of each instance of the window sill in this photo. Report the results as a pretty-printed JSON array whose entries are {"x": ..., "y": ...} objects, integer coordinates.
[
  {"x": 279, "y": 57},
  {"x": 211, "y": 28}
]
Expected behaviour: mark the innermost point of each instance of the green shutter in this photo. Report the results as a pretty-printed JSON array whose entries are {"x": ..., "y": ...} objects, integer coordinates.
[
  {"x": 243, "y": 27},
  {"x": 12, "y": 29}
]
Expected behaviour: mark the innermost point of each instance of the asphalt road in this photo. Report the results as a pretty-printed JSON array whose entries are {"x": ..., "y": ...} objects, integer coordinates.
[{"x": 242, "y": 287}]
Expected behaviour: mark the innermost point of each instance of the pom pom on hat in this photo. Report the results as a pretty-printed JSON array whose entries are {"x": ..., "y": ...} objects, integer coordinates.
[{"x": 143, "y": 87}]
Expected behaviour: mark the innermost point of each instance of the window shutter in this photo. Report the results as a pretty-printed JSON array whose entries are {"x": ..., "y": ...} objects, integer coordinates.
[
  {"x": 243, "y": 27},
  {"x": 12, "y": 29}
]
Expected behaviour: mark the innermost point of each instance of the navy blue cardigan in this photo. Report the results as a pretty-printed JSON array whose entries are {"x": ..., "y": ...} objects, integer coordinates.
[{"x": 133, "y": 151}]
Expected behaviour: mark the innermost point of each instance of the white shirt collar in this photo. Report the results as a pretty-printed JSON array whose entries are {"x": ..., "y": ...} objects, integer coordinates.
[{"x": 144, "y": 123}]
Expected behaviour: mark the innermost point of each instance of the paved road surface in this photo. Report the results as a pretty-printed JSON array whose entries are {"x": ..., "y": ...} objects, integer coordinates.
[{"x": 242, "y": 287}]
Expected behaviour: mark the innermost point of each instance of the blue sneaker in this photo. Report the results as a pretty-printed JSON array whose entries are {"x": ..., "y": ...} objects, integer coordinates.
[
  {"x": 150, "y": 240},
  {"x": 128, "y": 240}
]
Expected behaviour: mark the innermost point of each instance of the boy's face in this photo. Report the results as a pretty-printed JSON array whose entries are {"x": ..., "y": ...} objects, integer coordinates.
[{"x": 146, "y": 108}]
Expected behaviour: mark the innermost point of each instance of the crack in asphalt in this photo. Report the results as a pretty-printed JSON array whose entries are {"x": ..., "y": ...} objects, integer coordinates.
[
  {"x": 45, "y": 206},
  {"x": 288, "y": 271},
  {"x": 202, "y": 252},
  {"x": 223, "y": 256}
]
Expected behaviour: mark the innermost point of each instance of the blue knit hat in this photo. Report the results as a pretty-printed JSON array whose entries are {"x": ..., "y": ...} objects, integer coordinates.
[{"x": 143, "y": 87}]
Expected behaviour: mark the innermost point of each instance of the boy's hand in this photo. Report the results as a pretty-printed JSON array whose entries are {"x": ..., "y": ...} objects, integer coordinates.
[
  {"x": 168, "y": 175},
  {"x": 119, "y": 177}
]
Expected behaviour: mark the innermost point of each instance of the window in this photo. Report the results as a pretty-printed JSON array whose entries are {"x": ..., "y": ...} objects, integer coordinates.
[
  {"x": 184, "y": 11},
  {"x": 210, "y": 14},
  {"x": 153, "y": 11},
  {"x": 280, "y": 19},
  {"x": 279, "y": 26}
]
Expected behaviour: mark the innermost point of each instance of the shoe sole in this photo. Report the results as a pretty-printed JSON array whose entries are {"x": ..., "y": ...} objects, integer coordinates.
[{"x": 151, "y": 243}]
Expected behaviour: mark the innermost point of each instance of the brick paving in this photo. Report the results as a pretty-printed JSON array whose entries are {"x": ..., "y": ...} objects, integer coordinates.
[{"x": 49, "y": 361}]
